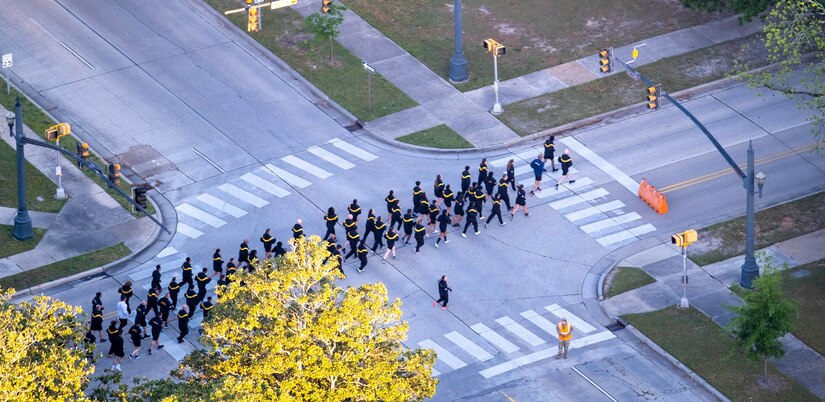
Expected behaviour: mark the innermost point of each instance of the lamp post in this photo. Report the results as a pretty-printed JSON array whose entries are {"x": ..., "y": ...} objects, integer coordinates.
[
  {"x": 458, "y": 63},
  {"x": 750, "y": 270},
  {"x": 22, "y": 221}
]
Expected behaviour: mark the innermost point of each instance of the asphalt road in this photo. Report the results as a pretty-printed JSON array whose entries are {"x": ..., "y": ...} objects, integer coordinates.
[{"x": 189, "y": 85}]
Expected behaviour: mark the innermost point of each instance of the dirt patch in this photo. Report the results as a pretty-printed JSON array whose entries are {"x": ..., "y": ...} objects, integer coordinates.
[
  {"x": 483, "y": 10},
  {"x": 507, "y": 29}
]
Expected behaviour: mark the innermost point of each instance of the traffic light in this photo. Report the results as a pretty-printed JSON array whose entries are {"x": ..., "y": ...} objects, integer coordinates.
[
  {"x": 254, "y": 20},
  {"x": 82, "y": 153},
  {"x": 326, "y": 6},
  {"x": 139, "y": 194},
  {"x": 56, "y": 131},
  {"x": 491, "y": 46},
  {"x": 114, "y": 173},
  {"x": 653, "y": 95},
  {"x": 604, "y": 61},
  {"x": 685, "y": 238}
]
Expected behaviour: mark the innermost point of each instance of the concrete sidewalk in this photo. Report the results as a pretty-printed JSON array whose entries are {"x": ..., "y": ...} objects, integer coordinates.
[
  {"x": 467, "y": 113},
  {"x": 709, "y": 292}
]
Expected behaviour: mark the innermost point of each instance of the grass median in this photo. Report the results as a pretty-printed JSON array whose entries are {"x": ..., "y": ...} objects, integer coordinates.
[
  {"x": 773, "y": 225},
  {"x": 806, "y": 285},
  {"x": 626, "y": 279},
  {"x": 707, "y": 349},
  {"x": 437, "y": 137},
  {"x": 10, "y": 246},
  {"x": 62, "y": 269},
  {"x": 343, "y": 80},
  {"x": 619, "y": 90}
]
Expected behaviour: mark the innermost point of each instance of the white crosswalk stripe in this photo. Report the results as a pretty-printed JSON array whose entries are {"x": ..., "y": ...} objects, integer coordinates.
[
  {"x": 220, "y": 205},
  {"x": 352, "y": 149},
  {"x": 625, "y": 234},
  {"x": 539, "y": 321},
  {"x": 578, "y": 185},
  {"x": 285, "y": 176},
  {"x": 493, "y": 337},
  {"x": 331, "y": 158},
  {"x": 167, "y": 252},
  {"x": 170, "y": 345},
  {"x": 468, "y": 345},
  {"x": 519, "y": 331},
  {"x": 243, "y": 195},
  {"x": 306, "y": 166},
  {"x": 262, "y": 184},
  {"x": 579, "y": 198},
  {"x": 578, "y": 323},
  {"x": 610, "y": 222},
  {"x": 594, "y": 210},
  {"x": 527, "y": 155},
  {"x": 443, "y": 355},
  {"x": 188, "y": 231},
  {"x": 200, "y": 215}
]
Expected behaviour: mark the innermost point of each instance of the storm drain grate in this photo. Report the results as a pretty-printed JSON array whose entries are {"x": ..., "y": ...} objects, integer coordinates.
[{"x": 616, "y": 326}]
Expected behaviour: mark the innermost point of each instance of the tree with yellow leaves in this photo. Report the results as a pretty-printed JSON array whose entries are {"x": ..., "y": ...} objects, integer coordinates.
[
  {"x": 42, "y": 354},
  {"x": 288, "y": 333}
]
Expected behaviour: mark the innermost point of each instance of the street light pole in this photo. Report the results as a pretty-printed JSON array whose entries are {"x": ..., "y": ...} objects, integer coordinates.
[
  {"x": 458, "y": 63},
  {"x": 750, "y": 270},
  {"x": 22, "y": 221}
]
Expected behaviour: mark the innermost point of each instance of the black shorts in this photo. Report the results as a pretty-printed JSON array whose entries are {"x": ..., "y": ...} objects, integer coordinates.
[
  {"x": 136, "y": 342},
  {"x": 564, "y": 171},
  {"x": 538, "y": 177},
  {"x": 155, "y": 334},
  {"x": 268, "y": 247}
]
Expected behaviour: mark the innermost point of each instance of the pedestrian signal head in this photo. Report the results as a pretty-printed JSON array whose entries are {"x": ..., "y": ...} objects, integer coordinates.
[
  {"x": 326, "y": 6},
  {"x": 254, "y": 20},
  {"x": 604, "y": 61},
  {"x": 491, "y": 46},
  {"x": 653, "y": 95}
]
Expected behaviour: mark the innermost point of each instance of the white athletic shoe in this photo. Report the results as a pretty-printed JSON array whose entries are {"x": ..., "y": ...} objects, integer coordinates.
[
  {"x": 478, "y": 233},
  {"x": 464, "y": 235},
  {"x": 446, "y": 241}
]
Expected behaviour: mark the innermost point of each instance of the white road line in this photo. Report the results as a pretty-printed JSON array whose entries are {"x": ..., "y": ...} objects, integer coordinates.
[
  {"x": 352, "y": 149},
  {"x": 443, "y": 354},
  {"x": 594, "y": 384},
  {"x": 527, "y": 155},
  {"x": 605, "y": 166},
  {"x": 220, "y": 205},
  {"x": 436, "y": 373},
  {"x": 285, "y": 176},
  {"x": 265, "y": 185},
  {"x": 200, "y": 215},
  {"x": 523, "y": 169},
  {"x": 171, "y": 346},
  {"x": 167, "y": 271},
  {"x": 580, "y": 198},
  {"x": 519, "y": 331},
  {"x": 243, "y": 195},
  {"x": 625, "y": 234},
  {"x": 540, "y": 321},
  {"x": 610, "y": 222},
  {"x": 493, "y": 337},
  {"x": 188, "y": 231},
  {"x": 331, "y": 158},
  {"x": 543, "y": 354},
  {"x": 594, "y": 210},
  {"x": 306, "y": 166},
  {"x": 167, "y": 252},
  {"x": 578, "y": 323},
  {"x": 578, "y": 185},
  {"x": 468, "y": 345}
]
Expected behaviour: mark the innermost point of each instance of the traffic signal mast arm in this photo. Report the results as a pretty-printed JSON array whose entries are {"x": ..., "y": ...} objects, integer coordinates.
[
  {"x": 93, "y": 167},
  {"x": 693, "y": 118}
]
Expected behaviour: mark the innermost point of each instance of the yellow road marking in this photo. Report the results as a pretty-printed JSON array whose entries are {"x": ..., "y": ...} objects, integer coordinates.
[
  {"x": 507, "y": 396},
  {"x": 727, "y": 171}
]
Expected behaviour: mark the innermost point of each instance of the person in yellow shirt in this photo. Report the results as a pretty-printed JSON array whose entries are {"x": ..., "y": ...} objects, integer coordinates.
[{"x": 565, "y": 332}]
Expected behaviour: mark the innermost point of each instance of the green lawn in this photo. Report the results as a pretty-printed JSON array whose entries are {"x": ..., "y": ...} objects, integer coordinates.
[
  {"x": 619, "y": 90},
  {"x": 10, "y": 246},
  {"x": 809, "y": 292},
  {"x": 628, "y": 278},
  {"x": 538, "y": 34},
  {"x": 62, "y": 269},
  {"x": 727, "y": 239},
  {"x": 344, "y": 80},
  {"x": 707, "y": 349},
  {"x": 437, "y": 137}
]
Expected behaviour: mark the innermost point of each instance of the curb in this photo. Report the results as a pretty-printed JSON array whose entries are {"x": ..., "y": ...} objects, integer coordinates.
[{"x": 693, "y": 376}]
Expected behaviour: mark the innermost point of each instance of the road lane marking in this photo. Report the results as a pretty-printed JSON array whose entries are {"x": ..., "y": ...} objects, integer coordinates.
[
  {"x": 519, "y": 331},
  {"x": 577, "y": 322},
  {"x": 443, "y": 355},
  {"x": 625, "y": 234},
  {"x": 539, "y": 321},
  {"x": 610, "y": 222},
  {"x": 493, "y": 337},
  {"x": 594, "y": 210},
  {"x": 352, "y": 149},
  {"x": 285, "y": 176},
  {"x": 580, "y": 198},
  {"x": 200, "y": 215},
  {"x": 220, "y": 205},
  {"x": 188, "y": 231},
  {"x": 243, "y": 195},
  {"x": 578, "y": 185},
  {"x": 601, "y": 163},
  {"x": 594, "y": 384},
  {"x": 171, "y": 346},
  {"x": 331, "y": 158},
  {"x": 167, "y": 252},
  {"x": 526, "y": 155},
  {"x": 263, "y": 184},
  {"x": 468, "y": 345},
  {"x": 210, "y": 161},
  {"x": 306, "y": 166}
]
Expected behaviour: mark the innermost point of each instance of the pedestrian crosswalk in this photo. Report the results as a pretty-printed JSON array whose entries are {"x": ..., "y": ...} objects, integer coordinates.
[
  {"x": 587, "y": 207},
  {"x": 256, "y": 189},
  {"x": 510, "y": 344}
]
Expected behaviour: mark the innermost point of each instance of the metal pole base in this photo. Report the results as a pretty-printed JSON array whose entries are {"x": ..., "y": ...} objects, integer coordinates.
[
  {"x": 497, "y": 109},
  {"x": 22, "y": 226},
  {"x": 458, "y": 69},
  {"x": 60, "y": 193},
  {"x": 684, "y": 303}
]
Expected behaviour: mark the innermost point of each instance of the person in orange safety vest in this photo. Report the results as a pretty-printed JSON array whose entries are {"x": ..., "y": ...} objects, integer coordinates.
[{"x": 565, "y": 332}]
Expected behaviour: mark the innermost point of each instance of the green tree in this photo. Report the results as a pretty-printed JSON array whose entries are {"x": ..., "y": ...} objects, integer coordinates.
[
  {"x": 42, "y": 354},
  {"x": 764, "y": 318},
  {"x": 795, "y": 42},
  {"x": 326, "y": 25},
  {"x": 747, "y": 9}
]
